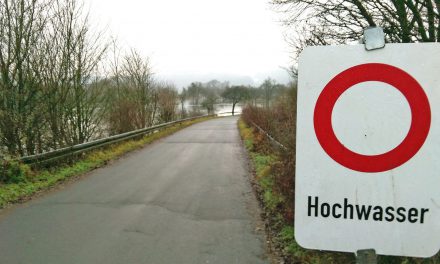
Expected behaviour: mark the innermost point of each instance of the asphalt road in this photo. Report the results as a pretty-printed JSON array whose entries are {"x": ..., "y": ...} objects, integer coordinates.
[{"x": 184, "y": 199}]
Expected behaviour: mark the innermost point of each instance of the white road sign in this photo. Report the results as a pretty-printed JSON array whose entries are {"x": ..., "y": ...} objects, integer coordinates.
[{"x": 368, "y": 149}]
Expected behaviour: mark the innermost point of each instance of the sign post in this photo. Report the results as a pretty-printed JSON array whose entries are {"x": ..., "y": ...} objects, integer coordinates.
[{"x": 368, "y": 149}]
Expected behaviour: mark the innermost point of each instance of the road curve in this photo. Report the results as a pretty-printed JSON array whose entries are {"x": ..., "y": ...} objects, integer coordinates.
[{"x": 183, "y": 199}]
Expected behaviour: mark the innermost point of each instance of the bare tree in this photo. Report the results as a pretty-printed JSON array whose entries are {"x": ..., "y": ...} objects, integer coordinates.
[
  {"x": 268, "y": 87},
  {"x": 236, "y": 94},
  {"x": 210, "y": 98},
  {"x": 138, "y": 77},
  {"x": 323, "y": 22},
  {"x": 167, "y": 98},
  {"x": 182, "y": 99},
  {"x": 118, "y": 116},
  {"x": 21, "y": 22},
  {"x": 86, "y": 96},
  {"x": 69, "y": 74},
  {"x": 194, "y": 92}
]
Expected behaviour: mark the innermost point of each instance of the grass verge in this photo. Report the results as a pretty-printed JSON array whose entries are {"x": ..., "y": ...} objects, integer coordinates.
[
  {"x": 264, "y": 161},
  {"x": 281, "y": 232},
  {"x": 40, "y": 180}
]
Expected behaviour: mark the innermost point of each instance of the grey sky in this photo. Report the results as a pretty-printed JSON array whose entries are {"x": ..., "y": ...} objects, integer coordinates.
[{"x": 197, "y": 40}]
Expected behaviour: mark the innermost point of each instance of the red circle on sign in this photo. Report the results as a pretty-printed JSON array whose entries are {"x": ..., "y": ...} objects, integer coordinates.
[{"x": 399, "y": 79}]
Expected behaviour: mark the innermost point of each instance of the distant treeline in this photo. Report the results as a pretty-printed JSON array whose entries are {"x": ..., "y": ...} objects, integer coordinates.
[{"x": 206, "y": 95}]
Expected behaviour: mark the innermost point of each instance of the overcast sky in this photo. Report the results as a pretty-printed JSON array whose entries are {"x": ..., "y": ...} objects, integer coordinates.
[{"x": 197, "y": 40}]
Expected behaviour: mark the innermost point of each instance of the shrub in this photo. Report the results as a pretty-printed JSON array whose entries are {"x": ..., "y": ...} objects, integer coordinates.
[
  {"x": 279, "y": 121},
  {"x": 13, "y": 172}
]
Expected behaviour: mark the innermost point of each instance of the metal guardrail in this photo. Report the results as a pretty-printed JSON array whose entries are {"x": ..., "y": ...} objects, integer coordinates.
[
  {"x": 272, "y": 140},
  {"x": 80, "y": 148}
]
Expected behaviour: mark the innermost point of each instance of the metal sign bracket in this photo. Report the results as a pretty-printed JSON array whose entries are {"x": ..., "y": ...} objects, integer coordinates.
[
  {"x": 374, "y": 38},
  {"x": 366, "y": 256}
]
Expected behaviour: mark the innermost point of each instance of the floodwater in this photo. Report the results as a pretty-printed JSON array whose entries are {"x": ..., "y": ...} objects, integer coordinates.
[{"x": 218, "y": 108}]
